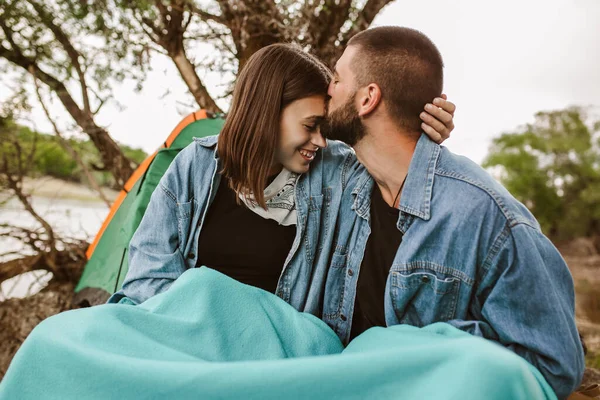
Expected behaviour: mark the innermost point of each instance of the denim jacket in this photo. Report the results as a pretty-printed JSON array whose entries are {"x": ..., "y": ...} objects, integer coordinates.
[
  {"x": 471, "y": 255},
  {"x": 166, "y": 241}
]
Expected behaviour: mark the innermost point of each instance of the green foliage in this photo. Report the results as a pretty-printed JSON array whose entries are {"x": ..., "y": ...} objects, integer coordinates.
[
  {"x": 50, "y": 158},
  {"x": 135, "y": 155},
  {"x": 553, "y": 167},
  {"x": 17, "y": 148}
]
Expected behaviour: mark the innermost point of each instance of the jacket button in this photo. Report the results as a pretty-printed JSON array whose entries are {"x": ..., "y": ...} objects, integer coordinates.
[
  {"x": 425, "y": 279},
  {"x": 350, "y": 272},
  {"x": 343, "y": 317},
  {"x": 191, "y": 256}
]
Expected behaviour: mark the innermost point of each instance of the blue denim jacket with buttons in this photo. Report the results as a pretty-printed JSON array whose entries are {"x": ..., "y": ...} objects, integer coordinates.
[
  {"x": 166, "y": 241},
  {"x": 471, "y": 255}
]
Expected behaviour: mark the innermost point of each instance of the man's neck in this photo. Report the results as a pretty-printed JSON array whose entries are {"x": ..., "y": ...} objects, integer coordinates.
[{"x": 386, "y": 154}]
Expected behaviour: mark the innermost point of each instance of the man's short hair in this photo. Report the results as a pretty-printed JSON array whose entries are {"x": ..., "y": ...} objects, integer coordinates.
[{"x": 405, "y": 64}]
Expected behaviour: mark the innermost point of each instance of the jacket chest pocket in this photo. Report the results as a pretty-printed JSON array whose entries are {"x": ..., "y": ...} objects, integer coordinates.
[
  {"x": 422, "y": 298},
  {"x": 313, "y": 224},
  {"x": 334, "y": 287}
]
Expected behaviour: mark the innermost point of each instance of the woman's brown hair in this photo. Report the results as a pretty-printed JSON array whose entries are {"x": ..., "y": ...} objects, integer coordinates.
[{"x": 273, "y": 77}]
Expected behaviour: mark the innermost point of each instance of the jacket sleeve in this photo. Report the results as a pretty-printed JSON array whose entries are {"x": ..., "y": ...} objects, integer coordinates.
[
  {"x": 155, "y": 258},
  {"x": 526, "y": 302}
]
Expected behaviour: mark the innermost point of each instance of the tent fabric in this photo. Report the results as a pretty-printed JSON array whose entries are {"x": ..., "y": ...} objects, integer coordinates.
[
  {"x": 108, "y": 254},
  {"x": 211, "y": 337}
]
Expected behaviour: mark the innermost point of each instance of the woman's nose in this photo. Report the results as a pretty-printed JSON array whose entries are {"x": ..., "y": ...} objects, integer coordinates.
[{"x": 318, "y": 140}]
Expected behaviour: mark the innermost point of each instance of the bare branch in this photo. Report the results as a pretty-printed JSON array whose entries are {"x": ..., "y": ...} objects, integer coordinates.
[
  {"x": 23, "y": 198},
  {"x": 65, "y": 144},
  {"x": 157, "y": 31},
  {"x": 327, "y": 24},
  {"x": 187, "y": 21},
  {"x": 9, "y": 38},
  {"x": 194, "y": 83},
  {"x": 32, "y": 284},
  {"x": 69, "y": 259},
  {"x": 73, "y": 54},
  {"x": 113, "y": 158},
  {"x": 10, "y": 253},
  {"x": 163, "y": 12},
  {"x": 100, "y": 104},
  {"x": 178, "y": 9},
  {"x": 29, "y": 237},
  {"x": 31, "y": 155},
  {"x": 101, "y": 101},
  {"x": 365, "y": 18},
  {"x": 205, "y": 16}
]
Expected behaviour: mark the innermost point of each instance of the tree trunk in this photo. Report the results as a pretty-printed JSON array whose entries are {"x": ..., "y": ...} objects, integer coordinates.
[
  {"x": 193, "y": 82},
  {"x": 65, "y": 144},
  {"x": 112, "y": 157}
]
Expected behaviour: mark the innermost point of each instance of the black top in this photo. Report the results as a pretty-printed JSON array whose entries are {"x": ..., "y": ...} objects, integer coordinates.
[
  {"x": 381, "y": 248},
  {"x": 241, "y": 244}
]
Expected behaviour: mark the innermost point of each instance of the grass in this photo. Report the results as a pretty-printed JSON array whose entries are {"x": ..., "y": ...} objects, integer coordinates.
[
  {"x": 592, "y": 360},
  {"x": 590, "y": 301}
]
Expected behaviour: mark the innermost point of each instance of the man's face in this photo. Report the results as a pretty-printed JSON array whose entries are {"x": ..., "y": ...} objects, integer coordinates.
[{"x": 343, "y": 122}]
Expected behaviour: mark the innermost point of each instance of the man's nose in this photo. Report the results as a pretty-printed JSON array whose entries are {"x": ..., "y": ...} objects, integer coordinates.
[{"x": 330, "y": 89}]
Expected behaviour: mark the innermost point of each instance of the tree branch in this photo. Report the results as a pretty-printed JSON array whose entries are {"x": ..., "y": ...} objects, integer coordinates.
[
  {"x": 365, "y": 18},
  {"x": 12, "y": 268},
  {"x": 16, "y": 185},
  {"x": 205, "y": 16},
  {"x": 91, "y": 180},
  {"x": 73, "y": 54},
  {"x": 329, "y": 21},
  {"x": 9, "y": 38},
  {"x": 113, "y": 158},
  {"x": 157, "y": 31},
  {"x": 163, "y": 12}
]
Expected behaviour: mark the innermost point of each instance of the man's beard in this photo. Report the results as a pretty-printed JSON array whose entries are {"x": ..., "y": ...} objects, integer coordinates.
[{"x": 344, "y": 124}]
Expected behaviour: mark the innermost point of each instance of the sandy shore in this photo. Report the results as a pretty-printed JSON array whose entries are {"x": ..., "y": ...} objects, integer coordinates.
[{"x": 58, "y": 189}]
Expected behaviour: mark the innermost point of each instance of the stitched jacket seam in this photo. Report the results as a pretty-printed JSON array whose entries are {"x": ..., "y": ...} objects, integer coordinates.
[
  {"x": 168, "y": 193},
  {"x": 497, "y": 246},
  {"x": 510, "y": 217}
]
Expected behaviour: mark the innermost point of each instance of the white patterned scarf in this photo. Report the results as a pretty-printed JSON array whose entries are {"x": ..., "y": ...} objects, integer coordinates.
[{"x": 280, "y": 198}]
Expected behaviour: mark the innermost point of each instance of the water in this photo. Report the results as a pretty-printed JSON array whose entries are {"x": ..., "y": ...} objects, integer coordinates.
[{"x": 69, "y": 218}]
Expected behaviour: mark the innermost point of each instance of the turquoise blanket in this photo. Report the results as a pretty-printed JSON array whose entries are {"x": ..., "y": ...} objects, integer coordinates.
[{"x": 210, "y": 337}]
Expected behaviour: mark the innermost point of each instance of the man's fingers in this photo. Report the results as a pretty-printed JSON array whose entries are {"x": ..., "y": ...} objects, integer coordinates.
[
  {"x": 446, "y": 105},
  {"x": 438, "y": 119},
  {"x": 435, "y": 123},
  {"x": 439, "y": 113},
  {"x": 432, "y": 133}
]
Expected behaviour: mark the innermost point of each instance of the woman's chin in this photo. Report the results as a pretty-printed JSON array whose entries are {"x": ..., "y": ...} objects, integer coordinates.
[{"x": 298, "y": 168}]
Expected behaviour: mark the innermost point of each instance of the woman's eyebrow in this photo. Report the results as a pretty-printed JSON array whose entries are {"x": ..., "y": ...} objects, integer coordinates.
[{"x": 315, "y": 118}]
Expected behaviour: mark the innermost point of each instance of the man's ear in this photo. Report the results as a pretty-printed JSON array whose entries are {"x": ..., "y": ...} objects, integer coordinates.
[{"x": 369, "y": 97}]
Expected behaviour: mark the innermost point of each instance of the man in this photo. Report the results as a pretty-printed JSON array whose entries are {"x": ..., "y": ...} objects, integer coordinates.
[{"x": 425, "y": 236}]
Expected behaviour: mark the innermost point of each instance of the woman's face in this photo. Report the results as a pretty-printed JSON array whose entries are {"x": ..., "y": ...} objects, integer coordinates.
[{"x": 300, "y": 134}]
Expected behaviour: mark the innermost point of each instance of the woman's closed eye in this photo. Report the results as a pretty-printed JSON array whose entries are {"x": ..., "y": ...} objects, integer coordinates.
[{"x": 311, "y": 128}]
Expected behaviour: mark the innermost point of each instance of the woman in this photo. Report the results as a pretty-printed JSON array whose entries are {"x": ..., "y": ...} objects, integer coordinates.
[{"x": 250, "y": 203}]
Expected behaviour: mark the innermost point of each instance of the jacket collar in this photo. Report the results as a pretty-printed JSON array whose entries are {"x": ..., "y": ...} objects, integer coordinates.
[
  {"x": 417, "y": 193},
  {"x": 209, "y": 142}
]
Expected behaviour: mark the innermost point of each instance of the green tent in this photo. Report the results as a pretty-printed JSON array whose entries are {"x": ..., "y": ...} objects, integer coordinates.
[{"x": 108, "y": 254}]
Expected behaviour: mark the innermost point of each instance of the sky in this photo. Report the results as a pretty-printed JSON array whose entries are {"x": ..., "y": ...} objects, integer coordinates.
[{"x": 504, "y": 61}]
